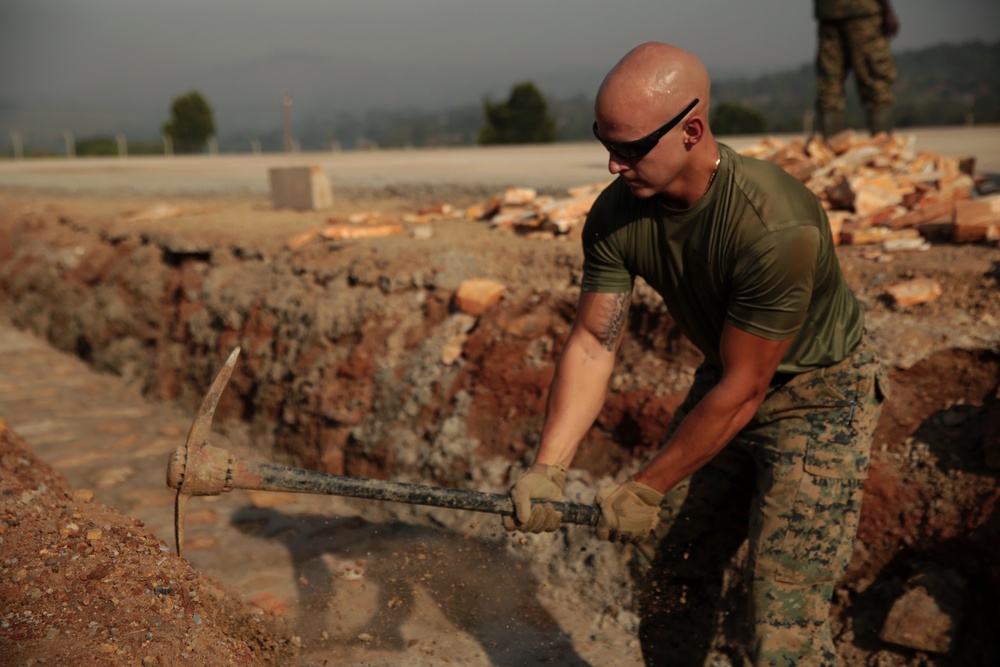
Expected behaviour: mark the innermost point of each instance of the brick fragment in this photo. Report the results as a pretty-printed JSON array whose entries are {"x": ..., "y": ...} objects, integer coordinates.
[
  {"x": 269, "y": 603},
  {"x": 476, "y": 296},
  {"x": 977, "y": 220},
  {"x": 347, "y": 231},
  {"x": 301, "y": 239},
  {"x": 935, "y": 210},
  {"x": 839, "y": 193},
  {"x": 913, "y": 292},
  {"x": 957, "y": 186},
  {"x": 519, "y": 196},
  {"x": 156, "y": 212},
  {"x": 875, "y": 235}
]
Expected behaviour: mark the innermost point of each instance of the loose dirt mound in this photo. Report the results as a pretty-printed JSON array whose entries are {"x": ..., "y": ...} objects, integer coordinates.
[{"x": 83, "y": 584}]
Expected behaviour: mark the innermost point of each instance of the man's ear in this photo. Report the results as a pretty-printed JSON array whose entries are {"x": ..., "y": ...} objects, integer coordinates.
[{"x": 694, "y": 132}]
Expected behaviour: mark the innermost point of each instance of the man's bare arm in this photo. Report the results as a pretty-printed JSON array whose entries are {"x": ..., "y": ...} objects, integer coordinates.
[
  {"x": 609, "y": 323},
  {"x": 580, "y": 384},
  {"x": 749, "y": 363}
]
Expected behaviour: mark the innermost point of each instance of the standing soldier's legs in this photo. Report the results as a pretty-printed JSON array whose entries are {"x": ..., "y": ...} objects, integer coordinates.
[
  {"x": 874, "y": 70},
  {"x": 812, "y": 440},
  {"x": 832, "y": 65}
]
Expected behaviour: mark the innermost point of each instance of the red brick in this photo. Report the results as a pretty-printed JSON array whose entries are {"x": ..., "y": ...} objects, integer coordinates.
[
  {"x": 476, "y": 296},
  {"x": 914, "y": 292}
]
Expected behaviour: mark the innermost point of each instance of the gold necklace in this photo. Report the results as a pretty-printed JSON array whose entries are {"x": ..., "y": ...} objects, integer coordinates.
[{"x": 715, "y": 171}]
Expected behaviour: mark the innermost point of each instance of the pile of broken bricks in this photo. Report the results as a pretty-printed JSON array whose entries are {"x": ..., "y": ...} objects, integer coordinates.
[{"x": 880, "y": 192}]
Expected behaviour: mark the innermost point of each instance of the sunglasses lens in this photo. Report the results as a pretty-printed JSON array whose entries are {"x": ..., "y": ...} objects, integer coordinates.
[
  {"x": 626, "y": 149},
  {"x": 633, "y": 149}
]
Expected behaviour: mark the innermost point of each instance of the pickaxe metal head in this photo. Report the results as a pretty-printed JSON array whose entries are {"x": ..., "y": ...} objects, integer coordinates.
[{"x": 196, "y": 468}]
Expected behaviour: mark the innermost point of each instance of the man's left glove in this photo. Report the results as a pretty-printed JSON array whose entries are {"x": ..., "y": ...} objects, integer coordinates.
[
  {"x": 628, "y": 513},
  {"x": 541, "y": 482}
]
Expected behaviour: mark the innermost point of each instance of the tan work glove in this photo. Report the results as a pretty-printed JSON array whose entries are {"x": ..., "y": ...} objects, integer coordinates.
[
  {"x": 541, "y": 482},
  {"x": 628, "y": 513}
]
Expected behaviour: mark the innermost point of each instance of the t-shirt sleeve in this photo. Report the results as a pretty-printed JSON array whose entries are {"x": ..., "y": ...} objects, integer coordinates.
[
  {"x": 773, "y": 283},
  {"x": 604, "y": 267}
]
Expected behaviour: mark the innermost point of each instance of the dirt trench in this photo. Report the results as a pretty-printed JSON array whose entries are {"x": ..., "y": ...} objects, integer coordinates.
[{"x": 342, "y": 370}]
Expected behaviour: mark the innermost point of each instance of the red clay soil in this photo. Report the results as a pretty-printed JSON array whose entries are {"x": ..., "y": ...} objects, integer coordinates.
[{"x": 83, "y": 584}]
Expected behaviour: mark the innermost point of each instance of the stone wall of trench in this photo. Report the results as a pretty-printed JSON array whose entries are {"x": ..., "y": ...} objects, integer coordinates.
[{"x": 342, "y": 365}]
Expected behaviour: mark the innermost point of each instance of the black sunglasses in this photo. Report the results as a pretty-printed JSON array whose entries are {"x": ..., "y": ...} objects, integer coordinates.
[{"x": 636, "y": 149}]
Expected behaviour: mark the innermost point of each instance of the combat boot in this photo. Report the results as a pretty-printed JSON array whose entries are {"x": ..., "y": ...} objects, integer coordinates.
[
  {"x": 879, "y": 120},
  {"x": 831, "y": 122}
]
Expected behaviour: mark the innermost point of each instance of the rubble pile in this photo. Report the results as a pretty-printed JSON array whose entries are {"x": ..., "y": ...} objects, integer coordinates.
[
  {"x": 878, "y": 191},
  {"x": 882, "y": 190}
]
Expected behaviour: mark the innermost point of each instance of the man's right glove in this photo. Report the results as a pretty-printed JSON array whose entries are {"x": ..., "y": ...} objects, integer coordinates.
[
  {"x": 541, "y": 482},
  {"x": 628, "y": 513}
]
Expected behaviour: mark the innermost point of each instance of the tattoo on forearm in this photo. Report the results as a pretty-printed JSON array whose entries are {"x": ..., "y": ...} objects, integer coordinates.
[{"x": 614, "y": 318}]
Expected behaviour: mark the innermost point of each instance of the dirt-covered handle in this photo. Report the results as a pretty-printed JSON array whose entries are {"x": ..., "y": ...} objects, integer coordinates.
[{"x": 270, "y": 477}]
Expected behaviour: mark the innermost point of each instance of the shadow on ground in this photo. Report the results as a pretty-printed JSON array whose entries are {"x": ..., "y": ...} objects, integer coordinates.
[{"x": 361, "y": 583}]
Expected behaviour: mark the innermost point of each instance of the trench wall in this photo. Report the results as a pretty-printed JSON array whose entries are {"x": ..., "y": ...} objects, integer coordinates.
[{"x": 342, "y": 365}]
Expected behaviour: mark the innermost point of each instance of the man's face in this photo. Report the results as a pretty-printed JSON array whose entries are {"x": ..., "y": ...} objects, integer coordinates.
[{"x": 646, "y": 147}]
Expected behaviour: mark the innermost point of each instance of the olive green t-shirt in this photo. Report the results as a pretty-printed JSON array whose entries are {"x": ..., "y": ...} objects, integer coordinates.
[{"x": 756, "y": 251}]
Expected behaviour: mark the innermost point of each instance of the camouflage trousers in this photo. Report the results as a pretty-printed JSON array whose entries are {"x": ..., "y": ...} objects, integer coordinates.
[
  {"x": 854, "y": 44},
  {"x": 790, "y": 485}
]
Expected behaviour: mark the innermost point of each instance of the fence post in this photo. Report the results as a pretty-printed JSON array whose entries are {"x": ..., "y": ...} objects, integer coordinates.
[
  {"x": 15, "y": 140},
  {"x": 70, "y": 143}
]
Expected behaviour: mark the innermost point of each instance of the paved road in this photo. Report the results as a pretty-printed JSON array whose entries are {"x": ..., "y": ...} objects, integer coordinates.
[{"x": 549, "y": 166}]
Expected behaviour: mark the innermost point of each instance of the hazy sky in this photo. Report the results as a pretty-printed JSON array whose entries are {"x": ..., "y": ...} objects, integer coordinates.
[{"x": 65, "y": 50}]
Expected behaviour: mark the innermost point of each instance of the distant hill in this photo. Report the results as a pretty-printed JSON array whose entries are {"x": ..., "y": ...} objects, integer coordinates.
[
  {"x": 943, "y": 85},
  {"x": 950, "y": 84}
]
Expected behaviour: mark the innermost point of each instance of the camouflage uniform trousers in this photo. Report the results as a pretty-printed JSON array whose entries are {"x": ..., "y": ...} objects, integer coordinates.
[
  {"x": 854, "y": 44},
  {"x": 791, "y": 482}
]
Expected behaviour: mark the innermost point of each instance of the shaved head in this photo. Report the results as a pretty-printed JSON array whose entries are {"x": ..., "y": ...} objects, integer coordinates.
[
  {"x": 657, "y": 77},
  {"x": 651, "y": 113}
]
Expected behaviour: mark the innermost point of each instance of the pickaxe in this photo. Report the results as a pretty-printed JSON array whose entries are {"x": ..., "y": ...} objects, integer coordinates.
[{"x": 197, "y": 468}]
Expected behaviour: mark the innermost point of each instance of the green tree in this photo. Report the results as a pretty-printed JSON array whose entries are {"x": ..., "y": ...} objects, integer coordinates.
[
  {"x": 523, "y": 119},
  {"x": 191, "y": 123},
  {"x": 734, "y": 118}
]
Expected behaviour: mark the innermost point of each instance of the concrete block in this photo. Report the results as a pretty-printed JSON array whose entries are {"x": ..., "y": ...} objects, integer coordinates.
[{"x": 300, "y": 188}]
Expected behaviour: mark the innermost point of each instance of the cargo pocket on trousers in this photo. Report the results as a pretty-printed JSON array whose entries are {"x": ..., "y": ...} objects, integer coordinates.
[{"x": 824, "y": 519}]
